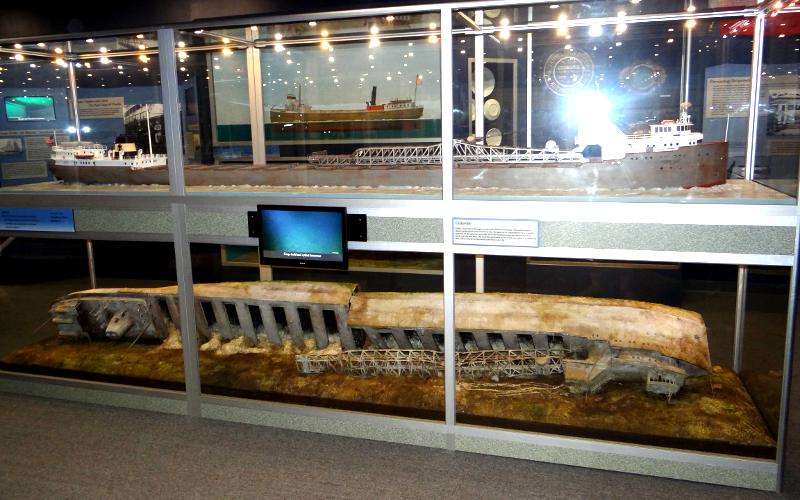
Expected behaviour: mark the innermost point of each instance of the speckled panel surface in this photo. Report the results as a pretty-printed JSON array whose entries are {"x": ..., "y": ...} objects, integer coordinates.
[
  {"x": 669, "y": 237},
  {"x": 340, "y": 427},
  {"x": 769, "y": 240},
  {"x": 404, "y": 229},
  {"x": 729, "y": 476},
  {"x": 176, "y": 406},
  {"x": 217, "y": 223},
  {"x": 123, "y": 221}
]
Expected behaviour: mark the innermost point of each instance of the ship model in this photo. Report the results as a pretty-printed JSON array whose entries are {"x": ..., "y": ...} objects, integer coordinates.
[
  {"x": 295, "y": 112},
  {"x": 333, "y": 327},
  {"x": 670, "y": 156},
  {"x": 83, "y": 156}
]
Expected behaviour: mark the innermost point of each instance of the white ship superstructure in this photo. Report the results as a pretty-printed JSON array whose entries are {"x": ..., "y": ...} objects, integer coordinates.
[
  {"x": 87, "y": 154},
  {"x": 668, "y": 135}
]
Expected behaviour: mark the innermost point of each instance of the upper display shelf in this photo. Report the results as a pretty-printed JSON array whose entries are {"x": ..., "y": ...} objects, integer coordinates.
[{"x": 642, "y": 101}]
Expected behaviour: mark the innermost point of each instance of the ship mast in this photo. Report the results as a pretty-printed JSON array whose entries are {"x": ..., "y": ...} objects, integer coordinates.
[{"x": 147, "y": 116}]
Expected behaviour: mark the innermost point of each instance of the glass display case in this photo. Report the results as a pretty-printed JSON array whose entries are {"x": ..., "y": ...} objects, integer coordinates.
[
  {"x": 91, "y": 310},
  {"x": 500, "y": 293},
  {"x": 333, "y": 99},
  {"x": 594, "y": 101},
  {"x": 285, "y": 333},
  {"x": 78, "y": 114},
  {"x": 639, "y": 352}
]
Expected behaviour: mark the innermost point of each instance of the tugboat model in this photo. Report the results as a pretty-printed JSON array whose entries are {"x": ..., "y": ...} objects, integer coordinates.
[{"x": 87, "y": 154}]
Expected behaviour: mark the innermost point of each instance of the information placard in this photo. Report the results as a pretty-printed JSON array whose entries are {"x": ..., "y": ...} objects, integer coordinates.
[
  {"x": 496, "y": 232},
  {"x": 59, "y": 220}
]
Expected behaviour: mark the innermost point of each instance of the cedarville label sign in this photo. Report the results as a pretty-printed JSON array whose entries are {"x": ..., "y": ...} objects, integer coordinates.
[{"x": 496, "y": 232}]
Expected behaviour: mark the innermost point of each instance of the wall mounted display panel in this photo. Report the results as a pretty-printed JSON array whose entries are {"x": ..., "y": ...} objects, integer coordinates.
[
  {"x": 339, "y": 102},
  {"x": 628, "y": 352},
  {"x": 119, "y": 329},
  {"x": 81, "y": 115},
  {"x": 600, "y": 107},
  {"x": 303, "y": 336}
]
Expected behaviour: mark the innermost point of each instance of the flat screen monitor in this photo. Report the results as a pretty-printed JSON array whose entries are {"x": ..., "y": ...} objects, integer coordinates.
[
  {"x": 303, "y": 236},
  {"x": 30, "y": 109}
]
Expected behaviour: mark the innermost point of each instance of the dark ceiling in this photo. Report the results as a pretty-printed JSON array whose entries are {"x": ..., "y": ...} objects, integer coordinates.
[{"x": 60, "y": 18}]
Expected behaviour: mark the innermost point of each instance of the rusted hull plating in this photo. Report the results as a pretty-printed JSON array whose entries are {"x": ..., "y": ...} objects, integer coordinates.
[{"x": 696, "y": 166}]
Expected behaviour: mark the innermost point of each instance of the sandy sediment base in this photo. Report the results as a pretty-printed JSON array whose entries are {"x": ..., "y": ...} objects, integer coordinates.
[{"x": 710, "y": 411}]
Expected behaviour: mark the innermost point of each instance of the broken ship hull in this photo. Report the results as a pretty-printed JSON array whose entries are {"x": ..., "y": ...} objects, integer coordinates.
[
  {"x": 702, "y": 165},
  {"x": 590, "y": 341}
]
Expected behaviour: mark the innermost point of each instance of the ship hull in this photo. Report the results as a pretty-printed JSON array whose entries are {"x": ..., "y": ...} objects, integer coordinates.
[
  {"x": 282, "y": 116},
  {"x": 695, "y": 166},
  {"x": 344, "y": 126}
]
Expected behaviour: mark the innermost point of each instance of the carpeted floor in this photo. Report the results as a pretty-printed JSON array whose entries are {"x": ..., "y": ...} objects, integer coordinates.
[{"x": 59, "y": 449}]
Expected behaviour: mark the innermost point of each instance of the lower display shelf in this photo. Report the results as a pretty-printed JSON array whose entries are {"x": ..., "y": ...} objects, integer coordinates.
[{"x": 714, "y": 413}]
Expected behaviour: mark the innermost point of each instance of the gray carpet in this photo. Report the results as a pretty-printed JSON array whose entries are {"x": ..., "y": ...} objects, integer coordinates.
[{"x": 59, "y": 449}]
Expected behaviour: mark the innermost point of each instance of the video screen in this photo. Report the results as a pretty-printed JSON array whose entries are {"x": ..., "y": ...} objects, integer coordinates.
[
  {"x": 303, "y": 236},
  {"x": 30, "y": 108}
]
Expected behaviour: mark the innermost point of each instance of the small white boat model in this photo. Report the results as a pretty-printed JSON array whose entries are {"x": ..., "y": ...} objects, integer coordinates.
[{"x": 88, "y": 154}]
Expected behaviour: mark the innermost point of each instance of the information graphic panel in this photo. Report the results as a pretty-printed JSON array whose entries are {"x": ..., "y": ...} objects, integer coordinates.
[{"x": 59, "y": 220}]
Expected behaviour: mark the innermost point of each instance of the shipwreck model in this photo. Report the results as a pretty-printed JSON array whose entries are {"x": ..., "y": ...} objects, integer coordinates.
[
  {"x": 296, "y": 112},
  {"x": 588, "y": 341},
  {"x": 671, "y": 156}
]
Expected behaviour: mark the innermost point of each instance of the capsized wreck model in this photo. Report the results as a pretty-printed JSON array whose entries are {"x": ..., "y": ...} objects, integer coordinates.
[
  {"x": 587, "y": 341},
  {"x": 671, "y": 156}
]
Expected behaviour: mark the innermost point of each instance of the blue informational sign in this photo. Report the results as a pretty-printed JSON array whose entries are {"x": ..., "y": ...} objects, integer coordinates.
[{"x": 59, "y": 220}]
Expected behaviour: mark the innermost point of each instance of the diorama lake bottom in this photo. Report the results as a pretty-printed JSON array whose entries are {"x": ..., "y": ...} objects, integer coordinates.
[{"x": 601, "y": 368}]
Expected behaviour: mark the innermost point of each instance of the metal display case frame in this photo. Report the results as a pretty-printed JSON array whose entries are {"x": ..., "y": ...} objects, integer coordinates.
[{"x": 665, "y": 232}]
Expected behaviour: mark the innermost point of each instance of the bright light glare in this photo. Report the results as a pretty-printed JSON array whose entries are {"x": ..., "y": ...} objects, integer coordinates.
[
  {"x": 595, "y": 30},
  {"x": 71, "y": 129}
]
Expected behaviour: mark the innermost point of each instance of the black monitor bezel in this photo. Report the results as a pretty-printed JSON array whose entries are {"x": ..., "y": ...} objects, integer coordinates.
[{"x": 304, "y": 264}]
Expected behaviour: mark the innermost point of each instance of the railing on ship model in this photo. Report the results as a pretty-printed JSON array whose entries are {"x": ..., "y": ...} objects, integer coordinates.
[{"x": 463, "y": 153}]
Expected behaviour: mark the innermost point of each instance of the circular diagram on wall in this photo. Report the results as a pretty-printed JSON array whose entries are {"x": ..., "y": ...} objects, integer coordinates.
[
  {"x": 493, "y": 137},
  {"x": 643, "y": 77},
  {"x": 488, "y": 82},
  {"x": 568, "y": 71},
  {"x": 491, "y": 109}
]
